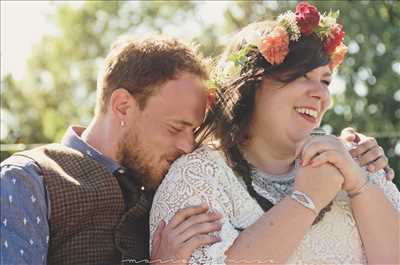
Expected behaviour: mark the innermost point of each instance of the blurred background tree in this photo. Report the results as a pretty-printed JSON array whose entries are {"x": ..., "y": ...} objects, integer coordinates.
[{"x": 59, "y": 86}]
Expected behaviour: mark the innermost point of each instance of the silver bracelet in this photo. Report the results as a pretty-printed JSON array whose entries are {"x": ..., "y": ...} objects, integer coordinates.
[
  {"x": 304, "y": 200},
  {"x": 359, "y": 191}
]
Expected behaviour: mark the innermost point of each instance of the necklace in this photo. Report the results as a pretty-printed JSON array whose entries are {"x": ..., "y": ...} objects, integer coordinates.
[
  {"x": 273, "y": 187},
  {"x": 268, "y": 190}
]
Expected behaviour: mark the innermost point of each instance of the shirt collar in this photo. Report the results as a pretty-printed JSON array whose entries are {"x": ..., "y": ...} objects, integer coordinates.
[{"x": 72, "y": 139}]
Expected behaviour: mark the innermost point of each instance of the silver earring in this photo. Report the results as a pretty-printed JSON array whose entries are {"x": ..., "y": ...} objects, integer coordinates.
[{"x": 122, "y": 123}]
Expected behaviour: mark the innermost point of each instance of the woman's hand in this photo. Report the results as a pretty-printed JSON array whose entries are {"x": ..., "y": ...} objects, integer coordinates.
[
  {"x": 319, "y": 150},
  {"x": 320, "y": 183},
  {"x": 367, "y": 152}
]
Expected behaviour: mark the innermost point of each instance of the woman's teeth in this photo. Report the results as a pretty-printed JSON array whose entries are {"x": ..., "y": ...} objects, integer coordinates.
[{"x": 310, "y": 112}]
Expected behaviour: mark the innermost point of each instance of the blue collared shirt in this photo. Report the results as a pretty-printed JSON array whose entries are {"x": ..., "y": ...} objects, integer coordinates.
[{"x": 25, "y": 204}]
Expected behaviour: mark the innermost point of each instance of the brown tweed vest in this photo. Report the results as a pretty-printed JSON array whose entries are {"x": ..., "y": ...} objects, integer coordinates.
[{"x": 89, "y": 224}]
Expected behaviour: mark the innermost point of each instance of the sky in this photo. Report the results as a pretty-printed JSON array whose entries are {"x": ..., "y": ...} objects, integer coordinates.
[
  {"x": 24, "y": 23},
  {"x": 19, "y": 35}
]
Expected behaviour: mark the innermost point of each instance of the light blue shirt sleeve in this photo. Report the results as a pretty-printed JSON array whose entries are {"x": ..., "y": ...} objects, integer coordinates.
[{"x": 25, "y": 214}]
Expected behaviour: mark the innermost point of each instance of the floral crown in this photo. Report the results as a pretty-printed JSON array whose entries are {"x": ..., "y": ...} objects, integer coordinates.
[{"x": 274, "y": 46}]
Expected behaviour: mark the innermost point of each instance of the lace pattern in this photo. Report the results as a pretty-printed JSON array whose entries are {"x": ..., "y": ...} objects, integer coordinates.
[{"x": 203, "y": 176}]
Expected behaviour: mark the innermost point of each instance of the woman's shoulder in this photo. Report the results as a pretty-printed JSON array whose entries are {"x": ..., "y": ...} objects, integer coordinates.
[
  {"x": 205, "y": 163},
  {"x": 203, "y": 155},
  {"x": 204, "y": 152}
]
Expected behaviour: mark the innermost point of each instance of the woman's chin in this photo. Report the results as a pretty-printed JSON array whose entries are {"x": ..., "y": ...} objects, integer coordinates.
[{"x": 300, "y": 135}]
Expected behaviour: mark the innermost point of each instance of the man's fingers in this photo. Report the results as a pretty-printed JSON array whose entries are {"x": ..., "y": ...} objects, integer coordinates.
[
  {"x": 185, "y": 213},
  {"x": 349, "y": 138},
  {"x": 157, "y": 238},
  {"x": 348, "y": 134},
  {"x": 378, "y": 164},
  {"x": 348, "y": 130},
  {"x": 198, "y": 219},
  {"x": 199, "y": 229},
  {"x": 389, "y": 173},
  {"x": 199, "y": 241},
  {"x": 363, "y": 146},
  {"x": 371, "y": 155}
]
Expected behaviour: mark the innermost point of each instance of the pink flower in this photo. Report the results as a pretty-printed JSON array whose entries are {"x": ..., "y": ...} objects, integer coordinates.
[
  {"x": 307, "y": 17},
  {"x": 275, "y": 46},
  {"x": 336, "y": 37},
  {"x": 338, "y": 56}
]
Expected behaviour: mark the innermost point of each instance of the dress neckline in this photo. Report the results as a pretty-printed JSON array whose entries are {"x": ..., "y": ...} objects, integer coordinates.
[{"x": 282, "y": 178}]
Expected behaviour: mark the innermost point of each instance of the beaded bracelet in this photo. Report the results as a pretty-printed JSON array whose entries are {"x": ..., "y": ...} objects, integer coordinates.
[
  {"x": 304, "y": 200},
  {"x": 359, "y": 191}
]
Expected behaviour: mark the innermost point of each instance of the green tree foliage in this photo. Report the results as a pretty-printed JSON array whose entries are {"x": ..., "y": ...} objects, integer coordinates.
[{"x": 59, "y": 87}]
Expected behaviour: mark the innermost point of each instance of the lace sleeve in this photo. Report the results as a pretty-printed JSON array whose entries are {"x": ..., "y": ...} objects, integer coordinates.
[
  {"x": 193, "y": 179},
  {"x": 390, "y": 190}
]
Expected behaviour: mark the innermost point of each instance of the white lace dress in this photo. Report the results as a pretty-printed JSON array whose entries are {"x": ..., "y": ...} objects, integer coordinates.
[{"x": 204, "y": 176}]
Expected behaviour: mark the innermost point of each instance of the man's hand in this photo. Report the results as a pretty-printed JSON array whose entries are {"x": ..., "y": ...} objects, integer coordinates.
[
  {"x": 188, "y": 230},
  {"x": 368, "y": 152}
]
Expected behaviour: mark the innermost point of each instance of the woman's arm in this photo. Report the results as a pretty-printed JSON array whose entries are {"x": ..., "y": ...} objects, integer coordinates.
[
  {"x": 271, "y": 238},
  {"x": 276, "y": 235},
  {"x": 377, "y": 219},
  {"x": 378, "y": 222}
]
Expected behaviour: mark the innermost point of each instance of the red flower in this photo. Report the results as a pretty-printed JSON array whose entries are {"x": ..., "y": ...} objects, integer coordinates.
[
  {"x": 307, "y": 17},
  {"x": 335, "y": 38},
  {"x": 210, "y": 99}
]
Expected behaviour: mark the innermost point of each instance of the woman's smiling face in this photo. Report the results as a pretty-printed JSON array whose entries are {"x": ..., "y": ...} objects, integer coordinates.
[{"x": 290, "y": 111}]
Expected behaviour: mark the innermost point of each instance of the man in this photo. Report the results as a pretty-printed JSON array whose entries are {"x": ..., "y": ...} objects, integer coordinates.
[{"x": 87, "y": 200}]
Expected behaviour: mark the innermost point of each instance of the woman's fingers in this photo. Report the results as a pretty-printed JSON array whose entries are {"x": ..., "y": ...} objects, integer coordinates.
[
  {"x": 329, "y": 156},
  {"x": 317, "y": 145}
]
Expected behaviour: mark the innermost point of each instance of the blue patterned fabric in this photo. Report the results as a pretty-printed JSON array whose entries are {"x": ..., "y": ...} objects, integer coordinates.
[{"x": 25, "y": 204}]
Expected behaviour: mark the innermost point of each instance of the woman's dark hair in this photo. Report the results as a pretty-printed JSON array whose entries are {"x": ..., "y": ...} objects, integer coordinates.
[{"x": 228, "y": 118}]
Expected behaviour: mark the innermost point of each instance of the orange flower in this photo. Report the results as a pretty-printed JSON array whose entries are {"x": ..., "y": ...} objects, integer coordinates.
[
  {"x": 336, "y": 37},
  {"x": 338, "y": 56},
  {"x": 275, "y": 46}
]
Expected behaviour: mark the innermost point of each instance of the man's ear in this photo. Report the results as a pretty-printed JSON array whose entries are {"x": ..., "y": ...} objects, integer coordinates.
[{"x": 122, "y": 102}]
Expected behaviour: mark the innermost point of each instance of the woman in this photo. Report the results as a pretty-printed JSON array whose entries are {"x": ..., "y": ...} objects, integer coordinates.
[{"x": 285, "y": 196}]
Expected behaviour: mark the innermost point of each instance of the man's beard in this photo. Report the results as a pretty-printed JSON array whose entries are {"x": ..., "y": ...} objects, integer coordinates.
[{"x": 132, "y": 154}]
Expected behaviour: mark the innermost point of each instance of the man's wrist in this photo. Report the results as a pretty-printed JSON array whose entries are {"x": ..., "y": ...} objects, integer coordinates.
[
  {"x": 361, "y": 180},
  {"x": 359, "y": 190}
]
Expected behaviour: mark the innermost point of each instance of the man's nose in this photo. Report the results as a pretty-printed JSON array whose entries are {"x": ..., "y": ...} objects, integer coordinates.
[{"x": 185, "y": 143}]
